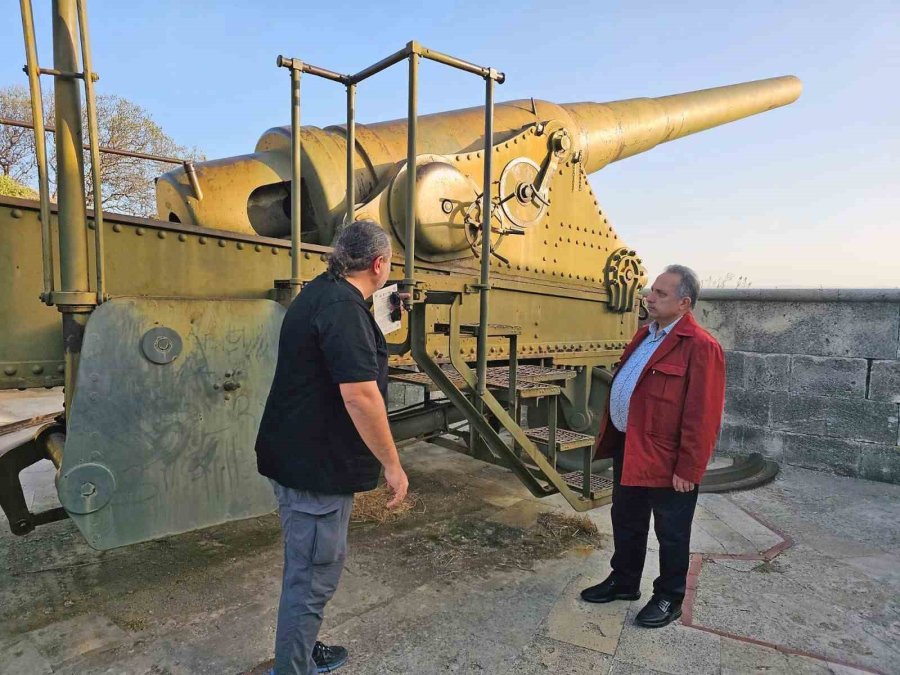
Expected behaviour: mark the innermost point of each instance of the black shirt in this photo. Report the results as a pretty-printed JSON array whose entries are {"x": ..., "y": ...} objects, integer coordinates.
[{"x": 306, "y": 438}]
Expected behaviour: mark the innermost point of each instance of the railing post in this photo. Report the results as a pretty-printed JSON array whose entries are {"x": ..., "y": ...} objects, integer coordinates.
[
  {"x": 94, "y": 136},
  {"x": 409, "y": 280},
  {"x": 351, "y": 152},
  {"x": 40, "y": 146},
  {"x": 486, "y": 203},
  {"x": 296, "y": 194}
]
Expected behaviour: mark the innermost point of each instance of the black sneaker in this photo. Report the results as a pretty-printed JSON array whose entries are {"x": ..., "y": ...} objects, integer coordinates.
[{"x": 329, "y": 658}]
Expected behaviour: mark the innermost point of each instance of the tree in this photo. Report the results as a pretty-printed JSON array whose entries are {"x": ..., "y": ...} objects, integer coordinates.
[
  {"x": 127, "y": 182},
  {"x": 12, "y": 188}
]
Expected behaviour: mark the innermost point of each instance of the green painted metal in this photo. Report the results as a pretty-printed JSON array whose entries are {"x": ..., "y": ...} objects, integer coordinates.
[{"x": 154, "y": 449}]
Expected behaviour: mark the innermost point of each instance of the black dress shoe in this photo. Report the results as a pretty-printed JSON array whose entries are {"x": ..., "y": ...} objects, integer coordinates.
[
  {"x": 609, "y": 590},
  {"x": 658, "y": 612}
]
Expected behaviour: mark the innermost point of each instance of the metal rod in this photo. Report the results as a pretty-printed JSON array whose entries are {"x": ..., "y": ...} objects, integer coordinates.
[
  {"x": 68, "y": 74},
  {"x": 481, "y": 367},
  {"x": 296, "y": 194},
  {"x": 112, "y": 151},
  {"x": 192, "y": 179},
  {"x": 325, "y": 73},
  {"x": 351, "y": 152},
  {"x": 40, "y": 147},
  {"x": 454, "y": 62},
  {"x": 396, "y": 57},
  {"x": 411, "y": 128},
  {"x": 94, "y": 136}
]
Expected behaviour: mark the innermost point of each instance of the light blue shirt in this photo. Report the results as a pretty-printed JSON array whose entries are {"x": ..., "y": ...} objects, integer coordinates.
[{"x": 629, "y": 373}]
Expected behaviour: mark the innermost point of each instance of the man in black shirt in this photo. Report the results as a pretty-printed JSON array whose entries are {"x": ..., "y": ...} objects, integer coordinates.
[{"x": 324, "y": 435}]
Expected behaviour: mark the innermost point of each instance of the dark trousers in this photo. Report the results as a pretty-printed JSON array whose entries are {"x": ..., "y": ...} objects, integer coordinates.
[{"x": 672, "y": 515}]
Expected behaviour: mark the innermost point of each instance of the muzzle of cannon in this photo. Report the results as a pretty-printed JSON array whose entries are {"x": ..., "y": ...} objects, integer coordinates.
[{"x": 533, "y": 140}]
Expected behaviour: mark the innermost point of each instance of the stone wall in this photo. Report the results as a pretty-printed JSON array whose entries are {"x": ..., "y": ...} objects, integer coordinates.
[{"x": 813, "y": 376}]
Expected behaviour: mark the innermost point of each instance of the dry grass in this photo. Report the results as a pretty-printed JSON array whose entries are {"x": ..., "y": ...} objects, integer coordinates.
[
  {"x": 562, "y": 526},
  {"x": 371, "y": 507}
]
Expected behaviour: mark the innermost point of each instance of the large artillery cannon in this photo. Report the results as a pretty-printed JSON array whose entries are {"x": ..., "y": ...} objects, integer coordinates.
[{"x": 166, "y": 330}]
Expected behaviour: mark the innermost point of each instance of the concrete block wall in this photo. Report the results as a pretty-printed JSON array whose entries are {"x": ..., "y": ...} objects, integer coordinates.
[{"x": 813, "y": 376}]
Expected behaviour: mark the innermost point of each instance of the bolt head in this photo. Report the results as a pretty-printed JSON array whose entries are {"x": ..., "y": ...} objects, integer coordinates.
[{"x": 88, "y": 489}]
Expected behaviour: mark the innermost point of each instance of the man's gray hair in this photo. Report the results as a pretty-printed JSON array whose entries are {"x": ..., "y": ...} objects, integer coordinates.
[
  {"x": 357, "y": 246},
  {"x": 689, "y": 286}
]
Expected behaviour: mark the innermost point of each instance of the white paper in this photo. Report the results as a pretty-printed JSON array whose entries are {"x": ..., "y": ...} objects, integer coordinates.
[{"x": 381, "y": 306}]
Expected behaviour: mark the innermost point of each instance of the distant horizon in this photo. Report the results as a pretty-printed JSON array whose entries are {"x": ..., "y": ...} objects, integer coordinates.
[{"x": 803, "y": 197}]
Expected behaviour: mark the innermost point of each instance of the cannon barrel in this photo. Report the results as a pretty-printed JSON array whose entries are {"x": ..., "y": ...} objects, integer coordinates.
[
  {"x": 614, "y": 131},
  {"x": 248, "y": 193}
]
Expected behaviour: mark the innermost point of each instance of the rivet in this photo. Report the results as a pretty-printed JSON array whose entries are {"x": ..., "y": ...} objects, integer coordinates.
[
  {"x": 16, "y": 213},
  {"x": 9, "y": 370},
  {"x": 305, "y": 255},
  {"x": 91, "y": 225},
  {"x": 139, "y": 231},
  {"x": 274, "y": 251},
  {"x": 37, "y": 369},
  {"x": 227, "y": 397},
  {"x": 221, "y": 243},
  {"x": 161, "y": 234},
  {"x": 117, "y": 227},
  {"x": 182, "y": 237},
  {"x": 202, "y": 240},
  {"x": 61, "y": 368},
  {"x": 240, "y": 246}
]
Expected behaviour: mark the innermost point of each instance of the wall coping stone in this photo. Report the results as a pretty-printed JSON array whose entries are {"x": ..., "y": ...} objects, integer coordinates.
[{"x": 803, "y": 294}]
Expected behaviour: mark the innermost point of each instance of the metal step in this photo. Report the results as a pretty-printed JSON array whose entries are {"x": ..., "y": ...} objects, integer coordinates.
[
  {"x": 565, "y": 439},
  {"x": 473, "y": 329},
  {"x": 599, "y": 484},
  {"x": 497, "y": 378},
  {"x": 534, "y": 373}
]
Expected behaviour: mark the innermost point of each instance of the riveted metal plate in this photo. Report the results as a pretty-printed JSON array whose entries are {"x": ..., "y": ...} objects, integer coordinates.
[
  {"x": 161, "y": 345},
  {"x": 179, "y": 447}
]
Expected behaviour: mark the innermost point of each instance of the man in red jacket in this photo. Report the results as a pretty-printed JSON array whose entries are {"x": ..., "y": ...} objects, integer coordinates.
[{"x": 660, "y": 427}]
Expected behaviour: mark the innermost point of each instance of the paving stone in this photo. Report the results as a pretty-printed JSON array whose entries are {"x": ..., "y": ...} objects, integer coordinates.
[
  {"x": 824, "y": 376},
  {"x": 739, "y": 520},
  {"x": 624, "y": 668},
  {"x": 64, "y": 640},
  {"x": 767, "y": 372},
  {"x": 673, "y": 649},
  {"x": 588, "y": 625},
  {"x": 884, "y": 381},
  {"x": 22, "y": 657},
  {"x": 544, "y": 655},
  {"x": 742, "y": 657}
]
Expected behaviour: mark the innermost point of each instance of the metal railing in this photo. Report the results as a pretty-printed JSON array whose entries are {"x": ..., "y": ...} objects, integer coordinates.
[{"x": 411, "y": 53}]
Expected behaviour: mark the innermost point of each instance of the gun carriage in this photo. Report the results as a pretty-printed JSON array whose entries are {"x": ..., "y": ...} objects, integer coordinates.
[{"x": 164, "y": 331}]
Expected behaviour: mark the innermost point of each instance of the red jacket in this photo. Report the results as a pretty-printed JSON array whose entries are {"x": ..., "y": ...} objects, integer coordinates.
[{"x": 675, "y": 410}]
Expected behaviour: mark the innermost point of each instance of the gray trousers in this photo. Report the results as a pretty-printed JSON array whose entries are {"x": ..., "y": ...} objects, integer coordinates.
[{"x": 315, "y": 546}]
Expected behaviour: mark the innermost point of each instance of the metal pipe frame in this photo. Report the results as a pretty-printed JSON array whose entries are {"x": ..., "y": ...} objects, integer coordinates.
[
  {"x": 104, "y": 149},
  {"x": 351, "y": 153},
  {"x": 94, "y": 137},
  {"x": 486, "y": 212},
  {"x": 296, "y": 193},
  {"x": 412, "y": 52},
  {"x": 40, "y": 147},
  {"x": 412, "y": 124}
]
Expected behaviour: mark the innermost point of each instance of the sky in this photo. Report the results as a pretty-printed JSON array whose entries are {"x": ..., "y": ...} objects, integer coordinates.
[{"x": 802, "y": 196}]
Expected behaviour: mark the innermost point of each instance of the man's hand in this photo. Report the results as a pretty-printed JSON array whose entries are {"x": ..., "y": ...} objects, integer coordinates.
[
  {"x": 397, "y": 481},
  {"x": 681, "y": 485}
]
